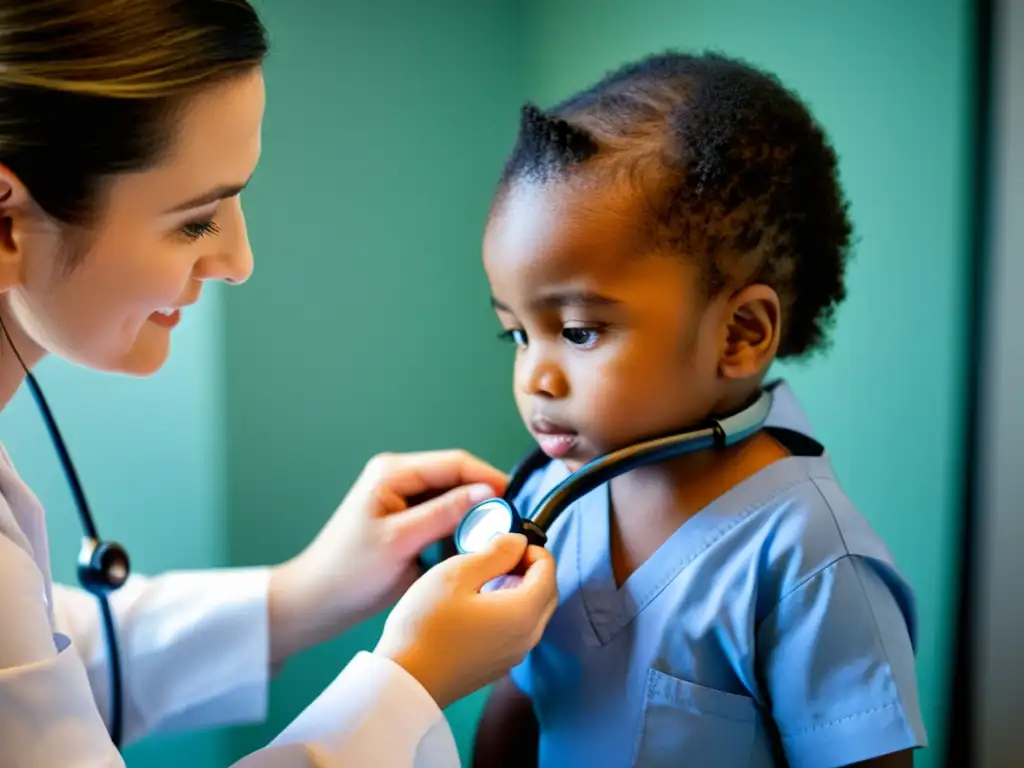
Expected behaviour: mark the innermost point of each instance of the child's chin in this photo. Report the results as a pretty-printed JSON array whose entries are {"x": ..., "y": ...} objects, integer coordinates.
[
  {"x": 581, "y": 456},
  {"x": 574, "y": 464}
]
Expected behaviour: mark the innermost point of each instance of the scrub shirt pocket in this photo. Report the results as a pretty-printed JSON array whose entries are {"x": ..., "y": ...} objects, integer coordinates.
[{"x": 688, "y": 724}]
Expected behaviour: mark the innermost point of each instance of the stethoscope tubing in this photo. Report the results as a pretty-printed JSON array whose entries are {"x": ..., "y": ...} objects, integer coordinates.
[{"x": 718, "y": 433}]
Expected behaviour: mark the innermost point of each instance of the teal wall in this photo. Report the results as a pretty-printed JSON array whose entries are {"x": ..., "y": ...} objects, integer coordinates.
[
  {"x": 890, "y": 83},
  {"x": 150, "y": 453},
  {"x": 366, "y": 325}
]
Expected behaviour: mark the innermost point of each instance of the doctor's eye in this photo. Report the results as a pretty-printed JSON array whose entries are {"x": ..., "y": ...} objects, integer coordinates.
[
  {"x": 581, "y": 337},
  {"x": 197, "y": 229},
  {"x": 515, "y": 335}
]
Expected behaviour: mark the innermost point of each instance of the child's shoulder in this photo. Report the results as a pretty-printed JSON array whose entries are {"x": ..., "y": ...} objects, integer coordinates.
[
  {"x": 809, "y": 527},
  {"x": 811, "y": 523},
  {"x": 813, "y": 517}
]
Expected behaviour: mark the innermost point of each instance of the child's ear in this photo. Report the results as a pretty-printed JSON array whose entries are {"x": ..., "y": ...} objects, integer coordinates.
[{"x": 753, "y": 326}]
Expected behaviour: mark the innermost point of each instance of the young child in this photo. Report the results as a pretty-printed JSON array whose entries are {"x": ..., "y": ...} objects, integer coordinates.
[{"x": 655, "y": 243}]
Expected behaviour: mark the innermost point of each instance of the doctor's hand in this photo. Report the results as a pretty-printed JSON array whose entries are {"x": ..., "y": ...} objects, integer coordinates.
[
  {"x": 454, "y": 638},
  {"x": 366, "y": 555}
]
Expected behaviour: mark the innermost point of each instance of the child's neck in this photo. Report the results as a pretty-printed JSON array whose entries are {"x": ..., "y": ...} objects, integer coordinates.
[{"x": 649, "y": 504}]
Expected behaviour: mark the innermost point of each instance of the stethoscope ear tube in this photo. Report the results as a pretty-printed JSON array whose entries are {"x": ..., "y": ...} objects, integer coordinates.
[
  {"x": 720, "y": 433},
  {"x": 477, "y": 527},
  {"x": 102, "y": 566},
  {"x": 742, "y": 424},
  {"x": 610, "y": 466}
]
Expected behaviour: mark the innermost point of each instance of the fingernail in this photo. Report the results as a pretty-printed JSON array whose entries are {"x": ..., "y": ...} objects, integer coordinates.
[
  {"x": 507, "y": 542},
  {"x": 478, "y": 493}
]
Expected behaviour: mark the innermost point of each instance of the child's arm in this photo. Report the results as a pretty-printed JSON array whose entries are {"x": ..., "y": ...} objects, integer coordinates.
[{"x": 508, "y": 733}]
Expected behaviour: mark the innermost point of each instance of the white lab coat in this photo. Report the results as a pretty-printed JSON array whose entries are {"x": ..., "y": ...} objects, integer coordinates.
[{"x": 194, "y": 655}]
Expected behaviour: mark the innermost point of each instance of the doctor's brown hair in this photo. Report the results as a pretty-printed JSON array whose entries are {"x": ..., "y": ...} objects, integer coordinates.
[{"x": 90, "y": 88}]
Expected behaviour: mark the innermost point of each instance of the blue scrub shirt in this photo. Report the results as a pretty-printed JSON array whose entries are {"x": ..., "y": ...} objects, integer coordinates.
[{"x": 774, "y": 622}]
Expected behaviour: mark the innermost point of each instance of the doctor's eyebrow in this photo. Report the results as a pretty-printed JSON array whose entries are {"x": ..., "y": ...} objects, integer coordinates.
[
  {"x": 560, "y": 299},
  {"x": 219, "y": 193}
]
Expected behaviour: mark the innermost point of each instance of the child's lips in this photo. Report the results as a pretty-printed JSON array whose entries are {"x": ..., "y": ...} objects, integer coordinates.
[
  {"x": 554, "y": 439},
  {"x": 556, "y": 446}
]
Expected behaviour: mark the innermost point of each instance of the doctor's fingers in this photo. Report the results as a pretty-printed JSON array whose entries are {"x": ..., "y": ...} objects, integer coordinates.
[
  {"x": 538, "y": 556},
  {"x": 409, "y": 474},
  {"x": 420, "y": 526},
  {"x": 521, "y": 616},
  {"x": 534, "y": 597},
  {"x": 471, "y": 572},
  {"x": 540, "y": 581}
]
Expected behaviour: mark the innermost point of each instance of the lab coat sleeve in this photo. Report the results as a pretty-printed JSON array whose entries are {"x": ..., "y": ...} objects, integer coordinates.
[
  {"x": 373, "y": 714},
  {"x": 195, "y": 654},
  {"x": 194, "y": 648},
  {"x": 47, "y": 715}
]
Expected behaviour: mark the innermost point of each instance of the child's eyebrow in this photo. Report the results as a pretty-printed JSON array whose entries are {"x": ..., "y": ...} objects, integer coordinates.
[{"x": 560, "y": 299}]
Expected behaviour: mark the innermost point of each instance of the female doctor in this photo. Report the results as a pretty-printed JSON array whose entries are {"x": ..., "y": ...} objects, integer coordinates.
[{"x": 128, "y": 128}]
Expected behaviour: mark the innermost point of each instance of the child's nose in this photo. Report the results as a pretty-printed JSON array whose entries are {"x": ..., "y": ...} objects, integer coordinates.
[{"x": 541, "y": 377}]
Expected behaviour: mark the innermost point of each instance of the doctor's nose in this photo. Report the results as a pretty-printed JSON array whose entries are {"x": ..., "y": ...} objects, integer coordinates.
[
  {"x": 238, "y": 264},
  {"x": 233, "y": 266},
  {"x": 539, "y": 377},
  {"x": 231, "y": 259}
]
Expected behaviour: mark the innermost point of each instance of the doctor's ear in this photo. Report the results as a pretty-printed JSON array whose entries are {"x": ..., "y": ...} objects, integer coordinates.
[
  {"x": 16, "y": 207},
  {"x": 753, "y": 325}
]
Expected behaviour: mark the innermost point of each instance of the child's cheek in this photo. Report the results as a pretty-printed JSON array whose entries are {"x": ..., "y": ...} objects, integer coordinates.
[{"x": 612, "y": 402}]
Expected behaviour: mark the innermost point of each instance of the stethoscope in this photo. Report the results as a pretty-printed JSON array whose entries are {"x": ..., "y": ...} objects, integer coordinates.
[
  {"x": 498, "y": 516},
  {"x": 103, "y": 566}
]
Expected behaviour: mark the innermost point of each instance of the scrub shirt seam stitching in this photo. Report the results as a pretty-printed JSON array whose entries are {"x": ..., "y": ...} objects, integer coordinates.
[{"x": 841, "y": 720}]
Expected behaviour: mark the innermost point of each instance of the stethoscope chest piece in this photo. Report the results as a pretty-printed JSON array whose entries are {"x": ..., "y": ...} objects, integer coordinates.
[{"x": 490, "y": 519}]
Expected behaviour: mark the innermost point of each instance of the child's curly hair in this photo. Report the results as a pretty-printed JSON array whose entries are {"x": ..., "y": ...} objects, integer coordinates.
[{"x": 732, "y": 166}]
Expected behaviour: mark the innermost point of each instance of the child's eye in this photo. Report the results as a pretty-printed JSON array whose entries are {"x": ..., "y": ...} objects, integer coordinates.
[
  {"x": 515, "y": 335},
  {"x": 197, "y": 229},
  {"x": 581, "y": 337}
]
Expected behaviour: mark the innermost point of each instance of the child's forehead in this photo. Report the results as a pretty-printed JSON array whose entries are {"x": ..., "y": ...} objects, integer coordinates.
[{"x": 558, "y": 231}]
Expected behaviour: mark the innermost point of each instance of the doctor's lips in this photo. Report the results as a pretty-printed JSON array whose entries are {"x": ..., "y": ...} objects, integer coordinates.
[
  {"x": 168, "y": 317},
  {"x": 554, "y": 439}
]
